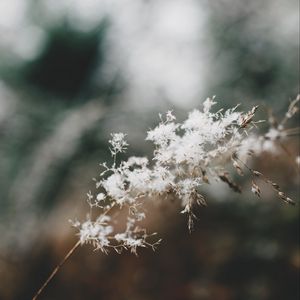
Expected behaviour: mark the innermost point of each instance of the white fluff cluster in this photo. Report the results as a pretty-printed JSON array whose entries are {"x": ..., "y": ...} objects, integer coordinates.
[{"x": 187, "y": 155}]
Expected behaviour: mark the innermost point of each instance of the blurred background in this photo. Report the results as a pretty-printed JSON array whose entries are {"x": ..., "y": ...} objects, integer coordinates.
[{"x": 72, "y": 72}]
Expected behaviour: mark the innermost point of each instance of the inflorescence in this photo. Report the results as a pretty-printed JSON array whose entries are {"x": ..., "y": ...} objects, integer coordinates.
[{"x": 187, "y": 156}]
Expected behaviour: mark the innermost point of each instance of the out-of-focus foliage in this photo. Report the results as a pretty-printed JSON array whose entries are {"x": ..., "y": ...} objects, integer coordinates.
[
  {"x": 256, "y": 49},
  {"x": 71, "y": 72}
]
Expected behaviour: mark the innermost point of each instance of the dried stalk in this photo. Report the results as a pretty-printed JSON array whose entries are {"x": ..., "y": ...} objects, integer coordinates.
[{"x": 72, "y": 250}]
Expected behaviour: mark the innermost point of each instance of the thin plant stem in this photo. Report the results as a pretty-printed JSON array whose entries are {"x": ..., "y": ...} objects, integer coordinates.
[{"x": 72, "y": 250}]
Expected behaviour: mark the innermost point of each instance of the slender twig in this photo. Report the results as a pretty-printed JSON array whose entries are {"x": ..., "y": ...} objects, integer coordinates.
[{"x": 56, "y": 270}]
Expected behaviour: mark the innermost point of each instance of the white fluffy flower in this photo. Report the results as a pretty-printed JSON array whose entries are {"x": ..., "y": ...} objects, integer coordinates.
[
  {"x": 187, "y": 156},
  {"x": 118, "y": 143},
  {"x": 162, "y": 134}
]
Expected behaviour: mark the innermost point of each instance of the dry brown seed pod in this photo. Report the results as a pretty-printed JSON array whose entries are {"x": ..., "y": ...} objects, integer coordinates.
[{"x": 255, "y": 189}]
